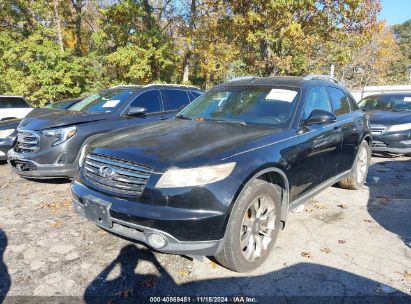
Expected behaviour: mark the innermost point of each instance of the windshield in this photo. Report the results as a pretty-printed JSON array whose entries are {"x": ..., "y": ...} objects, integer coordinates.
[
  {"x": 387, "y": 103},
  {"x": 250, "y": 105},
  {"x": 102, "y": 102}
]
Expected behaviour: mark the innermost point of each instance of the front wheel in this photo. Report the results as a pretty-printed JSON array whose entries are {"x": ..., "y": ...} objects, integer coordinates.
[
  {"x": 359, "y": 171},
  {"x": 252, "y": 228}
]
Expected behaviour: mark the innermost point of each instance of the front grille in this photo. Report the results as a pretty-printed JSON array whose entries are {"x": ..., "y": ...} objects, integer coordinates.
[
  {"x": 116, "y": 175},
  {"x": 377, "y": 129},
  {"x": 27, "y": 141}
]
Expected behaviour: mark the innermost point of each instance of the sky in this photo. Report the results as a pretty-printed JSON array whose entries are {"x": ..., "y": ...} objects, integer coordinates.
[{"x": 395, "y": 11}]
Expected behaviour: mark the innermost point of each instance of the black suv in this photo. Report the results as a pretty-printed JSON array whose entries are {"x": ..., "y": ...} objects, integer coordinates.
[
  {"x": 220, "y": 178},
  {"x": 48, "y": 145}
]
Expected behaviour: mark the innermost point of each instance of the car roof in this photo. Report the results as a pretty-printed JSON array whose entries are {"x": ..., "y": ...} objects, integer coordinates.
[
  {"x": 402, "y": 94},
  {"x": 280, "y": 81}
]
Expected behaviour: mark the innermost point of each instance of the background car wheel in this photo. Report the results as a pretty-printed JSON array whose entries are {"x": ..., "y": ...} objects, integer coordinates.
[
  {"x": 252, "y": 228},
  {"x": 358, "y": 176}
]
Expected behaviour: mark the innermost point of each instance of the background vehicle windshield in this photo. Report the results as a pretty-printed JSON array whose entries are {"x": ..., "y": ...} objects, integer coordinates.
[
  {"x": 253, "y": 105},
  {"x": 102, "y": 102},
  {"x": 388, "y": 103}
]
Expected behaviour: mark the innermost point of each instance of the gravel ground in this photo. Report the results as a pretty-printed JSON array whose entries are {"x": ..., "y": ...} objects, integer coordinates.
[{"x": 345, "y": 243}]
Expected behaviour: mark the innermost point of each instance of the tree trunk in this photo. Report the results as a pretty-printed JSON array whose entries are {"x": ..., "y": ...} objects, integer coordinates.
[
  {"x": 187, "y": 56},
  {"x": 58, "y": 23},
  {"x": 78, "y": 6}
]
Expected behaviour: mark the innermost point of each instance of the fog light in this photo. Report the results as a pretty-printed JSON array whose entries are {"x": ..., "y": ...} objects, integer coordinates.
[{"x": 156, "y": 240}]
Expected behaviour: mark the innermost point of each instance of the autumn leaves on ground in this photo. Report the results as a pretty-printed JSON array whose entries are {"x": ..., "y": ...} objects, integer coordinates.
[
  {"x": 51, "y": 50},
  {"x": 352, "y": 243}
]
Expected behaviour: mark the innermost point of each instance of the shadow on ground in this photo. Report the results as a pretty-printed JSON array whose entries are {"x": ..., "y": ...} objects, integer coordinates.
[
  {"x": 389, "y": 201},
  {"x": 288, "y": 282},
  {"x": 4, "y": 274}
]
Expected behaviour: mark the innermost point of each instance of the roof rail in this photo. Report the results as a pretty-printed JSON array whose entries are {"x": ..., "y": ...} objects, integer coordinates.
[
  {"x": 242, "y": 78},
  {"x": 171, "y": 85},
  {"x": 321, "y": 77},
  {"x": 126, "y": 85}
]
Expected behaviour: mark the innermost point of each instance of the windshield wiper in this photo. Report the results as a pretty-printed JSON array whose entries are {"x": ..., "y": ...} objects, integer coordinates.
[
  {"x": 181, "y": 116},
  {"x": 228, "y": 121}
]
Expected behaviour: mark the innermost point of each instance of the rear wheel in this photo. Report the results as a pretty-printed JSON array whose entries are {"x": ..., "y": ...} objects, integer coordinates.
[
  {"x": 359, "y": 172},
  {"x": 253, "y": 227}
]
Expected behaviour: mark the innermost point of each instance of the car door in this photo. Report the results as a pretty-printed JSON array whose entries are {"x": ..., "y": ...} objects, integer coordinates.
[
  {"x": 151, "y": 101},
  {"x": 174, "y": 101},
  {"x": 319, "y": 144},
  {"x": 351, "y": 124}
]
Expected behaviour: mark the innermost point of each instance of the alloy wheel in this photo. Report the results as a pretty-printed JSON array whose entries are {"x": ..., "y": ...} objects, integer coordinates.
[
  {"x": 362, "y": 164},
  {"x": 257, "y": 228}
]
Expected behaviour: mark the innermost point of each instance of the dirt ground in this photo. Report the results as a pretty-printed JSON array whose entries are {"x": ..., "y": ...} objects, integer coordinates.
[{"x": 345, "y": 243}]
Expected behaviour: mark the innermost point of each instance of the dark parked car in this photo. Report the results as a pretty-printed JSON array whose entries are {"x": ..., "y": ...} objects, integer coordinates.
[
  {"x": 220, "y": 178},
  {"x": 390, "y": 119},
  {"x": 49, "y": 146},
  {"x": 8, "y": 128}
]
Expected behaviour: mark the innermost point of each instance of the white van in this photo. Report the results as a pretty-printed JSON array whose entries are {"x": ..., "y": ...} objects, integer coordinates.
[{"x": 13, "y": 107}]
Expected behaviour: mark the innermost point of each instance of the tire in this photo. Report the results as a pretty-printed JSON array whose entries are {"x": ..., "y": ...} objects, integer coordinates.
[
  {"x": 359, "y": 171},
  {"x": 255, "y": 218}
]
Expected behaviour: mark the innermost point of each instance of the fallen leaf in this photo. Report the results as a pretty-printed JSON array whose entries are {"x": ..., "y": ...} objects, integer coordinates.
[
  {"x": 342, "y": 241},
  {"x": 213, "y": 265},
  {"x": 306, "y": 254},
  {"x": 125, "y": 293},
  {"x": 405, "y": 274},
  {"x": 368, "y": 221},
  {"x": 326, "y": 250},
  {"x": 384, "y": 200},
  {"x": 184, "y": 273},
  {"x": 343, "y": 206},
  {"x": 57, "y": 224},
  {"x": 149, "y": 283}
]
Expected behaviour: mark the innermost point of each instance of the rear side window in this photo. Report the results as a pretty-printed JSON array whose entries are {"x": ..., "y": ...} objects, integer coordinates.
[
  {"x": 339, "y": 101},
  {"x": 13, "y": 102},
  {"x": 151, "y": 100},
  {"x": 195, "y": 94},
  {"x": 317, "y": 99},
  {"x": 175, "y": 99}
]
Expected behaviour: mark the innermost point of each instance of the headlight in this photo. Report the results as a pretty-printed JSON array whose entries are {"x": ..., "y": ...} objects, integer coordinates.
[
  {"x": 61, "y": 134},
  {"x": 396, "y": 128},
  {"x": 6, "y": 133},
  {"x": 174, "y": 178},
  {"x": 82, "y": 155}
]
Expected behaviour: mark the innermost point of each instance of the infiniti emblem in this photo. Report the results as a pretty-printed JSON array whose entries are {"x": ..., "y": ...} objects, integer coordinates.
[{"x": 107, "y": 172}]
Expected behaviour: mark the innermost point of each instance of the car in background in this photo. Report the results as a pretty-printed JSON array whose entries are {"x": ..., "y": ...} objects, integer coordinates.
[
  {"x": 8, "y": 128},
  {"x": 220, "y": 177},
  {"x": 390, "y": 119},
  {"x": 12, "y": 107},
  {"x": 48, "y": 146}
]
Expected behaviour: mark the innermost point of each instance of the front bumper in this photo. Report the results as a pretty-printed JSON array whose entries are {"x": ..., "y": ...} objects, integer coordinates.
[
  {"x": 179, "y": 226},
  {"x": 5, "y": 145},
  {"x": 394, "y": 143},
  {"x": 27, "y": 166}
]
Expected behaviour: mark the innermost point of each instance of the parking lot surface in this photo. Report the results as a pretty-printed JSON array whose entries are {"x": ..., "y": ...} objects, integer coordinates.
[{"x": 345, "y": 243}]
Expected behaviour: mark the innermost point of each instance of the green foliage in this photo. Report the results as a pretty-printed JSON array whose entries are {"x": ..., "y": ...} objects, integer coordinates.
[{"x": 202, "y": 42}]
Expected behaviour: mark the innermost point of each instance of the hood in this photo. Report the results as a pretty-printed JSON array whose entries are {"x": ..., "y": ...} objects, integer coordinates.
[
  {"x": 178, "y": 142},
  {"x": 389, "y": 117},
  {"x": 50, "y": 118}
]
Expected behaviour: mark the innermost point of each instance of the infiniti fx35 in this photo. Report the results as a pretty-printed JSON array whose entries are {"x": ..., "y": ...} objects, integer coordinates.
[{"x": 220, "y": 177}]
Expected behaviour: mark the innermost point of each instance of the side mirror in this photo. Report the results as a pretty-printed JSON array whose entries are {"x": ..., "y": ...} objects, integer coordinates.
[
  {"x": 136, "y": 111},
  {"x": 320, "y": 117}
]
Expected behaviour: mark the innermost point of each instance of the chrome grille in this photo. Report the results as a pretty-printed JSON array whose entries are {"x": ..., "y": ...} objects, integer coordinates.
[
  {"x": 115, "y": 175},
  {"x": 377, "y": 129},
  {"x": 27, "y": 141}
]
